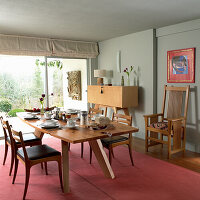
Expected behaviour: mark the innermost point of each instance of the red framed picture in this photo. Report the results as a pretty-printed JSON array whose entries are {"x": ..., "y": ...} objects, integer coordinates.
[{"x": 180, "y": 66}]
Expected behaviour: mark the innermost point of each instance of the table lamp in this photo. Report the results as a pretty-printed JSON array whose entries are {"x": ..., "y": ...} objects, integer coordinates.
[{"x": 99, "y": 73}]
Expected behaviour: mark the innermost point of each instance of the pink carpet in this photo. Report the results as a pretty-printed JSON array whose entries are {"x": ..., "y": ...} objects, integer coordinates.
[{"x": 149, "y": 179}]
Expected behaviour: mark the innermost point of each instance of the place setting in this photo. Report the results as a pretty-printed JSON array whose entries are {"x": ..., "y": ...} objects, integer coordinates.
[
  {"x": 50, "y": 124},
  {"x": 29, "y": 116}
]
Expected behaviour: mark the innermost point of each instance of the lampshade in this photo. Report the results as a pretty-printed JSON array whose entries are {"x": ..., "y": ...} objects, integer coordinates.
[{"x": 99, "y": 73}]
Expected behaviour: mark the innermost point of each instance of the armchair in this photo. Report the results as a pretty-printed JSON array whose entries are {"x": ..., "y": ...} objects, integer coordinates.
[{"x": 171, "y": 122}]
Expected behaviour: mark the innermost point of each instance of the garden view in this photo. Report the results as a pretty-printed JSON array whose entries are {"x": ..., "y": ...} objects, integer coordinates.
[{"x": 22, "y": 83}]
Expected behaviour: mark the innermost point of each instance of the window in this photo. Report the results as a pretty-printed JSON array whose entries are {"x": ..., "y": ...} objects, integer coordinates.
[{"x": 21, "y": 82}]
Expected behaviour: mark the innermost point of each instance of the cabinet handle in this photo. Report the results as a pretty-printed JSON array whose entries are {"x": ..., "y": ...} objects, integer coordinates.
[{"x": 101, "y": 90}]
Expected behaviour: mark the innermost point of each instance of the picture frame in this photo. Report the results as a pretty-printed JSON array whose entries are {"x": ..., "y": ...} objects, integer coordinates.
[{"x": 181, "y": 66}]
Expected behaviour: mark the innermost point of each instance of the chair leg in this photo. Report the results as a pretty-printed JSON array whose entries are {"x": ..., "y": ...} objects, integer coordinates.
[
  {"x": 82, "y": 146},
  {"x": 69, "y": 146},
  {"x": 169, "y": 146},
  {"x": 90, "y": 155},
  {"x": 110, "y": 154},
  {"x": 12, "y": 161},
  {"x": 146, "y": 140},
  {"x": 5, "y": 154},
  {"x": 15, "y": 172},
  {"x": 130, "y": 153},
  {"x": 162, "y": 140},
  {"x": 45, "y": 165},
  {"x": 60, "y": 173},
  {"x": 26, "y": 181}
]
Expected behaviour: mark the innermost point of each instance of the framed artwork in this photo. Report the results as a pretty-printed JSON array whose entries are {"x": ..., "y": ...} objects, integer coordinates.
[{"x": 180, "y": 66}]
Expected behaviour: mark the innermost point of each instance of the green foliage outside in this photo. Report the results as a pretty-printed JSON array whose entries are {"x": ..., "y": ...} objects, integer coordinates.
[
  {"x": 12, "y": 113},
  {"x": 5, "y": 106},
  {"x": 18, "y": 92},
  {"x": 52, "y": 63}
]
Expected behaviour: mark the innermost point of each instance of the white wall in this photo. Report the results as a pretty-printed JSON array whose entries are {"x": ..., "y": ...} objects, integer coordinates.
[
  {"x": 180, "y": 36},
  {"x": 137, "y": 49},
  {"x": 75, "y": 65}
]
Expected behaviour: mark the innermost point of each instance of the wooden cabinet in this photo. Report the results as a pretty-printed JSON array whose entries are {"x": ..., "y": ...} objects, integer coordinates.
[{"x": 113, "y": 96}]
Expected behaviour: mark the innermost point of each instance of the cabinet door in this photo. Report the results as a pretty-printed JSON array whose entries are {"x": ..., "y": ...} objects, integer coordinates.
[{"x": 105, "y": 95}]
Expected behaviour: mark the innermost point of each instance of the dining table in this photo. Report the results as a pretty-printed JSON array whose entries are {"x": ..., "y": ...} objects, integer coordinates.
[{"x": 80, "y": 134}]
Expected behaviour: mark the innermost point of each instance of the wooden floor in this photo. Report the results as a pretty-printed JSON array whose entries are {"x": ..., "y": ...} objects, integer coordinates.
[{"x": 189, "y": 160}]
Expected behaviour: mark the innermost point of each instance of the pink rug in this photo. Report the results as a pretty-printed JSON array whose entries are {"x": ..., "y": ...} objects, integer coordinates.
[{"x": 149, "y": 179}]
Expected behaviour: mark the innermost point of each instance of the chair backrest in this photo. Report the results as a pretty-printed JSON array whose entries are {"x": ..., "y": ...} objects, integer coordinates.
[
  {"x": 4, "y": 127},
  {"x": 124, "y": 119},
  {"x": 177, "y": 105},
  {"x": 94, "y": 111},
  {"x": 7, "y": 131},
  {"x": 101, "y": 107},
  {"x": 17, "y": 136}
]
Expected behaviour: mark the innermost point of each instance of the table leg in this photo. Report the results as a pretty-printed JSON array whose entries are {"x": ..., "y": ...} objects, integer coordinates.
[
  {"x": 65, "y": 158},
  {"x": 102, "y": 158},
  {"x": 39, "y": 133}
]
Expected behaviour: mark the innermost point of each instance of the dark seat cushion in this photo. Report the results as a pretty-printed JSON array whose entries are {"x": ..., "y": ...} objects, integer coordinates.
[
  {"x": 164, "y": 126},
  {"x": 29, "y": 137},
  {"x": 160, "y": 125},
  {"x": 114, "y": 139},
  {"x": 38, "y": 152}
]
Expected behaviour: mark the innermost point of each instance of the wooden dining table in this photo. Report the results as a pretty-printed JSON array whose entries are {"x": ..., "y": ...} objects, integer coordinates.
[{"x": 78, "y": 135}]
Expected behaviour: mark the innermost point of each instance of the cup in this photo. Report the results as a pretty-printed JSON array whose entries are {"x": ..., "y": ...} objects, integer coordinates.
[
  {"x": 47, "y": 115},
  {"x": 71, "y": 122}
]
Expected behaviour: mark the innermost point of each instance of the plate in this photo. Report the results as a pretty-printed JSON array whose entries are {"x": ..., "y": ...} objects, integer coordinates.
[
  {"x": 49, "y": 127},
  {"x": 30, "y": 117},
  {"x": 49, "y": 124}
]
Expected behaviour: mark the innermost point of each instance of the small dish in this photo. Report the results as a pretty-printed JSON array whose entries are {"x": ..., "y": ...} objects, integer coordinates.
[
  {"x": 72, "y": 111},
  {"x": 67, "y": 126},
  {"x": 47, "y": 118}
]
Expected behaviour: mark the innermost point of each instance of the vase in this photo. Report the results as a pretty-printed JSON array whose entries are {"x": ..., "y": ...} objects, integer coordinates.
[
  {"x": 122, "y": 81},
  {"x": 42, "y": 109},
  {"x": 128, "y": 81}
]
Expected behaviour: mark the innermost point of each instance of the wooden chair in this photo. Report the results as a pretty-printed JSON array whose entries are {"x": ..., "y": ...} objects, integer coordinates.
[
  {"x": 114, "y": 141},
  {"x": 92, "y": 112},
  {"x": 33, "y": 155},
  {"x": 171, "y": 122},
  {"x": 29, "y": 140}
]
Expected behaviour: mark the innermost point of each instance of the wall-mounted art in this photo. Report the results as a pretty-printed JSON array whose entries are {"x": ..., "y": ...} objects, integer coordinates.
[
  {"x": 74, "y": 85},
  {"x": 181, "y": 66}
]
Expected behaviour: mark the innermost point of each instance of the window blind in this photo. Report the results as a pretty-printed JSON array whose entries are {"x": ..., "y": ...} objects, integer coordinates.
[{"x": 33, "y": 46}]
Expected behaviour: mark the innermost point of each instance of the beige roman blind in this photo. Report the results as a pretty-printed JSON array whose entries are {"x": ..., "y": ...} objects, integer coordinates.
[
  {"x": 74, "y": 49},
  {"x": 33, "y": 46},
  {"x": 20, "y": 45}
]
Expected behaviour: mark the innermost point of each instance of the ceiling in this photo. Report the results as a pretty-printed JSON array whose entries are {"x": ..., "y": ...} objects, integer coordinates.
[{"x": 91, "y": 20}]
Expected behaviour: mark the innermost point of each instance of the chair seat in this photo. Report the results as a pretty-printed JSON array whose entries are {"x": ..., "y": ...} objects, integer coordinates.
[
  {"x": 114, "y": 139},
  {"x": 160, "y": 125},
  {"x": 29, "y": 137},
  {"x": 38, "y": 152}
]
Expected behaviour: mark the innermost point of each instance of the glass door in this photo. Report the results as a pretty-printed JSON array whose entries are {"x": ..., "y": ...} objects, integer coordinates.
[{"x": 58, "y": 83}]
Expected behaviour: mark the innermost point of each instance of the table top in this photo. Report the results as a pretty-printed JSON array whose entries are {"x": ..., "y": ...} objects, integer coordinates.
[{"x": 79, "y": 134}]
